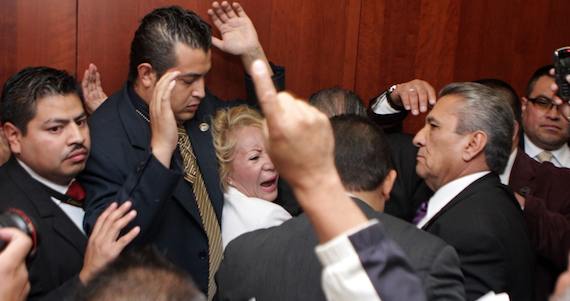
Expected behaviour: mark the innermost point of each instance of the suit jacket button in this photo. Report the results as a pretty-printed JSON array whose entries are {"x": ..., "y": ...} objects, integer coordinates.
[{"x": 203, "y": 255}]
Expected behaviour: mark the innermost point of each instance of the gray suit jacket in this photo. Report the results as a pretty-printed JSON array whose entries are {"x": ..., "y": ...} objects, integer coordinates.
[{"x": 279, "y": 263}]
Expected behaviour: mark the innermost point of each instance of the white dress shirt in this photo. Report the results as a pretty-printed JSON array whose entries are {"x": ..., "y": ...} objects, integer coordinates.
[
  {"x": 446, "y": 193},
  {"x": 560, "y": 157},
  {"x": 243, "y": 214},
  {"x": 74, "y": 213},
  {"x": 506, "y": 175}
]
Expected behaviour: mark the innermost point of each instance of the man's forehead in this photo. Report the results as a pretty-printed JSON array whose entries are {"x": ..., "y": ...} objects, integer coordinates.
[{"x": 542, "y": 86}]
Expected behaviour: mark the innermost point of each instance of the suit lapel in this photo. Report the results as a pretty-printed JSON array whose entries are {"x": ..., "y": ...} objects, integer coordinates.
[
  {"x": 48, "y": 211},
  {"x": 465, "y": 193},
  {"x": 136, "y": 127}
]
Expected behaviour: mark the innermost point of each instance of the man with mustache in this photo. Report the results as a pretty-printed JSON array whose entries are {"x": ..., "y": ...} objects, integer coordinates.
[{"x": 45, "y": 125}]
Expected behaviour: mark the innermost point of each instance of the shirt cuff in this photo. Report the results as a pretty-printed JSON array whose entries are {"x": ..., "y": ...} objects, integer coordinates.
[{"x": 381, "y": 105}]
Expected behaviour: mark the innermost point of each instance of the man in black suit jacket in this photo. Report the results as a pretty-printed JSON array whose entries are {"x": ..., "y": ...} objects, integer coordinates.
[
  {"x": 279, "y": 263},
  {"x": 134, "y": 133},
  {"x": 46, "y": 127},
  {"x": 463, "y": 147}
]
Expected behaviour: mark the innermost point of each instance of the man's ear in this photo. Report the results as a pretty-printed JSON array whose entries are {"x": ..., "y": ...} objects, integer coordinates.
[
  {"x": 13, "y": 136},
  {"x": 475, "y": 146},
  {"x": 388, "y": 184},
  {"x": 146, "y": 76}
]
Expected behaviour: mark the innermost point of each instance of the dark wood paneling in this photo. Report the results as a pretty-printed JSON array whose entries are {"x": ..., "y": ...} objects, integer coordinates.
[{"x": 37, "y": 32}]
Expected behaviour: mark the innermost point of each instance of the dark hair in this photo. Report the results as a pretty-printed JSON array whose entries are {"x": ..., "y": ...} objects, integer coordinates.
[
  {"x": 362, "y": 154},
  {"x": 484, "y": 110},
  {"x": 507, "y": 92},
  {"x": 337, "y": 101},
  {"x": 159, "y": 32},
  {"x": 143, "y": 274},
  {"x": 540, "y": 72},
  {"x": 23, "y": 89}
]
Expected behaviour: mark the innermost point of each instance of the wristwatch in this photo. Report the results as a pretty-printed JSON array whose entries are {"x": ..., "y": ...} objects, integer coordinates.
[{"x": 389, "y": 99}]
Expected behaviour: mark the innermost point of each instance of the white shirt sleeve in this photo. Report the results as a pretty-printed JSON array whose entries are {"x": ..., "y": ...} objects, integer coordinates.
[{"x": 381, "y": 106}]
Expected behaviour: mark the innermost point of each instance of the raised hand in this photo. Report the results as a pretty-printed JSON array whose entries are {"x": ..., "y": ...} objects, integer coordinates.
[
  {"x": 104, "y": 244},
  {"x": 414, "y": 96},
  {"x": 92, "y": 90},
  {"x": 164, "y": 130},
  {"x": 239, "y": 36},
  {"x": 13, "y": 272}
]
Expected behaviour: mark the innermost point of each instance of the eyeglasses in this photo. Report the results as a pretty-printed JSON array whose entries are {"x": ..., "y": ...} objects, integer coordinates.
[{"x": 545, "y": 104}]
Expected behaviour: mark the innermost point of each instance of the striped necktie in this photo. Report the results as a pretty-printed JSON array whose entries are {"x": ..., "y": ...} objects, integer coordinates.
[
  {"x": 209, "y": 220},
  {"x": 544, "y": 156}
]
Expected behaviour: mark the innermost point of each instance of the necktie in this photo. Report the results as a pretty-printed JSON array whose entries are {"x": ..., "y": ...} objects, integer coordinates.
[
  {"x": 420, "y": 213},
  {"x": 544, "y": 156},
  {"x": 209, "y": 220}
]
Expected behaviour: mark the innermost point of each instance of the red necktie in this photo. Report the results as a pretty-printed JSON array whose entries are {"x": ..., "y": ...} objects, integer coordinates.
[{"x": 76, "y": 193}]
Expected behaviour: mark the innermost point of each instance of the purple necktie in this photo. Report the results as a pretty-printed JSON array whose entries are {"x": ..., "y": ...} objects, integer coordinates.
[{"x": 420, "y": 213}]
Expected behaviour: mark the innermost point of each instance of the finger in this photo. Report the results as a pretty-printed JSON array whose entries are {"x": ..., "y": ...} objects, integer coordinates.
[
  {"x": 264, "y": 88},
  {"x": 552, "y": 72},
  {"x": 217, "y": 22},
  {"x": 219, "y": 12},
  {"x": 85, "y": 80},
  {"x": 108, "y": 227},
  {"x": 122, "y": 222},
  {"x": 228, "y": 10},
  {"x": 422, "y": 98},
  {"x": 19, "y": 244},
  {"x": 431, "y": 95},
  {"x": 413, "y": 100},
  {"x": 239, "y": 10},
  {"x": 568, "y": 78},
  {"x": 127, "y": 238},
  {"x": 101, "y": 219}
]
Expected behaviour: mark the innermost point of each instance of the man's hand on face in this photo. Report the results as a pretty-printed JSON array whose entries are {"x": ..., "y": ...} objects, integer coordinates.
[
  {"x": 414, "y": 96},
  {"x": 13, "y": 272},
  {"x": 104, "y": 244},
  {"x": 164, "y": 130}
]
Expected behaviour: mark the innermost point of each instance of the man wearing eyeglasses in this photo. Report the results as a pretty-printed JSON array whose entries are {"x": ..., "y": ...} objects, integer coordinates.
[{"x": 545, "y": 129}]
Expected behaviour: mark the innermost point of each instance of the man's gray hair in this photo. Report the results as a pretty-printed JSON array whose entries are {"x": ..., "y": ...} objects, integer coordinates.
[{"x": 485, "y": 111}]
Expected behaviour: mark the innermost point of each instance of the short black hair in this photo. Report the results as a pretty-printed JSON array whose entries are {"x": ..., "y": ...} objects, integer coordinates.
[
  {"x": 158, "y": 33},
  {"x": 507, "y": 92},
  {"x": 337, "y": 101},
  {"x": 538, "y": 73},
  {"x": 362, "y": 153},
  {"x": 141, "y": 274},
  {"x": 22, "y": 90}
]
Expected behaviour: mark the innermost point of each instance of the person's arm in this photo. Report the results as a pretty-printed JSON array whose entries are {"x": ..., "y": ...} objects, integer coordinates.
[
  {"x": 14, "y": 285},
  {"x": 391, "y": 107},
  {"x": 291, "y": 125}
]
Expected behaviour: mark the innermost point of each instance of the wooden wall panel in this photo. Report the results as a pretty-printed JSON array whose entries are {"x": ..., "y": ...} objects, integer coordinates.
[{"x": 37, "y": 32}]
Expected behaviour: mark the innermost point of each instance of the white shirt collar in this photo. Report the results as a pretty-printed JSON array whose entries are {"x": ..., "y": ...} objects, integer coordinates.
[
  {"x": 507, "y": 173},
  {"x": 59, "y": 188},
  {"x": 446, "y": 193},
  {"x": 560, "y": 157}
]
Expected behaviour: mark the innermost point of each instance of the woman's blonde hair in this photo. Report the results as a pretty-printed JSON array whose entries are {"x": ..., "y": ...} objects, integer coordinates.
[{"x": 224, "y": 124}]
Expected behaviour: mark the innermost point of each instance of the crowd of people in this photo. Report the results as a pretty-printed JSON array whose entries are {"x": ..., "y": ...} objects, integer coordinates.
[{"x": 163, "y": 191}]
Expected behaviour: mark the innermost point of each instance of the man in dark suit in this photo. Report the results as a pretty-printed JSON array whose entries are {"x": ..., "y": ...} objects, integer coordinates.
[
  {"x": 279, "y": 263},
  {"x": 463, "y": 147},
  {"x": 45, "y": 125},
  {"x": 151, "y": 140}
]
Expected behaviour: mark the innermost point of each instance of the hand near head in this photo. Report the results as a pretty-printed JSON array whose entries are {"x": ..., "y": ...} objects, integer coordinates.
[
  {"x": 13, "y": 272},
  {"x": 239, "y": 36},
  {"x": 92, "y": 90},
  {"x": 414, "y": 96},
  {"x": 104, "y": 244},
  {"x": 164, "y": 130},
  {"x": 554, "y": 88}
]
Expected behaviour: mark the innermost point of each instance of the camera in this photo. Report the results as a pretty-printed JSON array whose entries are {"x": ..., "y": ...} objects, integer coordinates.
[{"x": 15, "y": 218}]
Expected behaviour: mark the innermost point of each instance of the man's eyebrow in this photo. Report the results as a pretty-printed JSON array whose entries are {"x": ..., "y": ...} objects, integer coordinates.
[
  {"x": 431, "y": 119},
  {"x": 63, "y": 120},
  {"x": 190, "y": 74}
]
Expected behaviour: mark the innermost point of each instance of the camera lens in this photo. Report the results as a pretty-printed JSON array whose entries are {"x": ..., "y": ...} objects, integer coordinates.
[{"x": 15, "y": 218}]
